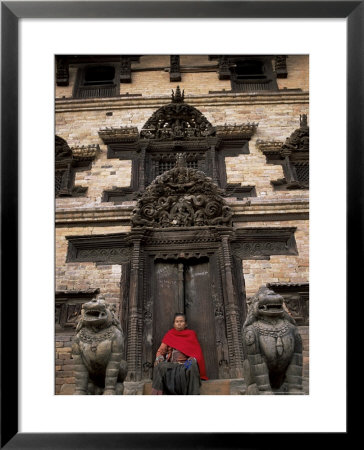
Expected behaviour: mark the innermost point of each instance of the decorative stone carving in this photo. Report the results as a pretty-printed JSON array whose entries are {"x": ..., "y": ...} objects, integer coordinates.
[
  {"x": 98, "y": 351},
  {"x": 62, "y": 71},
  {"x": 181, "y": 197},
  {"x": 272, "y": 347},
  {"x": 176, "y": 121}
]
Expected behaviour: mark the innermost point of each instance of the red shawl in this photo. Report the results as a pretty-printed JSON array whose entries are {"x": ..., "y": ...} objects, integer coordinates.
[{"x": 186, "y": 342}]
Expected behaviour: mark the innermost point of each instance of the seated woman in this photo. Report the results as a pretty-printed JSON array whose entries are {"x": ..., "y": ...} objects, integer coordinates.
[{"x": 179, "y": 363}]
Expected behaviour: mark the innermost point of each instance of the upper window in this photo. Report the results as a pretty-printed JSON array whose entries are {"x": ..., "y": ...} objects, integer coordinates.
[
  {"x": 252, "y": 74},
  {"x": 97, "y": 81},
  {"x": 249, "y": 69}
]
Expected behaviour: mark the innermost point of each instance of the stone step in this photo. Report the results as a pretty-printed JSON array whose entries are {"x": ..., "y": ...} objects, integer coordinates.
[{"x": 235, "y": 386}]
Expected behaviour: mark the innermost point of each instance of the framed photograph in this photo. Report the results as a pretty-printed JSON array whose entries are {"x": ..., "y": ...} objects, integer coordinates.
[{"x": 141, "y": 95}]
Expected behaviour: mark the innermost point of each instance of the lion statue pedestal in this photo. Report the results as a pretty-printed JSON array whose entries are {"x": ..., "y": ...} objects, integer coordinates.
[
  {"x": 97, "y": 351},
  {"x": 272, "y": 347}
]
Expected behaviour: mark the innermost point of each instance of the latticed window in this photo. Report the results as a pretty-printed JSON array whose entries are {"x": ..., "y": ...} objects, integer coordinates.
[
  {"x": 302, "y": 172},
  {"x": 58, "y": 180},
  {"x": 163, "y": 166},
  {"x": 97, "y": 81}
]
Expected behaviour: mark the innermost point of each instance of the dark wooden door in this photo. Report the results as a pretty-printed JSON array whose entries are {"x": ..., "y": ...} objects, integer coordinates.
[
  {"x": 185, "y": 287},
  {"x": 199, "y": 310},
  {"x": 165, "y": 302}
]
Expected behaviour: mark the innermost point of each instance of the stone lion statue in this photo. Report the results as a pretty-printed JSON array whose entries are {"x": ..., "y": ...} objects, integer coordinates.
[
  {"x": 272, "y": 347},
  {"x": 98, "y": 350}
]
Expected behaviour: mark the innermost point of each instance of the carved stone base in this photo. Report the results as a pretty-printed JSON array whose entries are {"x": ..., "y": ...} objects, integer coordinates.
[{"x": 134, "y": 387}]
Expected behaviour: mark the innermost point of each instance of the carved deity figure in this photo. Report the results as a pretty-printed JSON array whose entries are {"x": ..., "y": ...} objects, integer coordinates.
[
  {"x": 272, "y": 347},
  {"x": 98, "y": 351}
]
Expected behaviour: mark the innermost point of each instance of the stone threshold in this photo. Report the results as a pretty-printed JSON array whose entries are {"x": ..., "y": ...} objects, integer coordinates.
[{"x": 234, "y": 386}]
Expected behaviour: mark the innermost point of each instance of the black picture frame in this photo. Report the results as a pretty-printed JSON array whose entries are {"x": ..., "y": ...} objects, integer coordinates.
[{"x": 11, "y": 12}]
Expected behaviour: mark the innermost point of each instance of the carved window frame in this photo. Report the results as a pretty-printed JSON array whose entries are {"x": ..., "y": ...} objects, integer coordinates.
[
  {"x": 176, "y": 128},
  {"x": 124, "y": 152},
  {"x": 227, "y": 148},
  {"x": 266, "y": 83},
  {"x": 296, "y": 297},
  {"x": 69, "y": 161},
  {"x": 227, "y": 71},
  {"x": 291, "y": 154},
  {"x": 291, "y": 179},
  {"x": 64, "y": 303}
]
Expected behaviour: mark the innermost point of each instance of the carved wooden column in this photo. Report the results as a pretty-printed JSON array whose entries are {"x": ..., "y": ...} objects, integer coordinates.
[
  {"x": 125, "y": 69},
  {"x": 181, "y": 288},
  {"x": 175, "y": 70},
  {"x": 281, "y": 66},
  {"x": 62, "y": 73},
  {"x": 232, "y": 311},
  {"x": 141, "y": 165},
  {"x": 134, "y": 353},
  {"x": 224, "y": 68}
]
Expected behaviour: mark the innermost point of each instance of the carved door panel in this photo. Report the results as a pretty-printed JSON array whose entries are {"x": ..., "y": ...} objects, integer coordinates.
[
  {"x": 166, "y": 301},
  {"x": 199, "y": 310},
  {"x": 185, "y": 287}
]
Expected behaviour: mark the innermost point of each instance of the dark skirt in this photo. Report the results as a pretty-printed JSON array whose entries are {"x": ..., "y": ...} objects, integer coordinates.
[{"x": 175, "y": 379}]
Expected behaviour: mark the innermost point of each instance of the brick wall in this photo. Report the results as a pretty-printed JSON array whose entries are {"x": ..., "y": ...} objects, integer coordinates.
[
  {"x": 78, "y": 122},
  {"x": 65, "y": 380},
  {"x": 154, "y": 82}
]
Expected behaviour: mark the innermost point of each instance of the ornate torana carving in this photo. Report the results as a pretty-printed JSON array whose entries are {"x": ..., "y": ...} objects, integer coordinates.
[
  {"x": 98, "y": 351},
  {"x": 181, "y": 197},
  {"x": 177, "y": 120},
  {"x": 272, "y": 347}
]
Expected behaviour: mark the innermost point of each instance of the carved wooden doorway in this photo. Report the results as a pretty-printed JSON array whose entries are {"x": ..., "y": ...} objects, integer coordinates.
[{"x": 185, "y": 286}]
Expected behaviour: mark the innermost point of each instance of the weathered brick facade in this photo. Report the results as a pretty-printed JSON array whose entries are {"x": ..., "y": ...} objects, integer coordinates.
[{"x": 78, "y": 121}]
